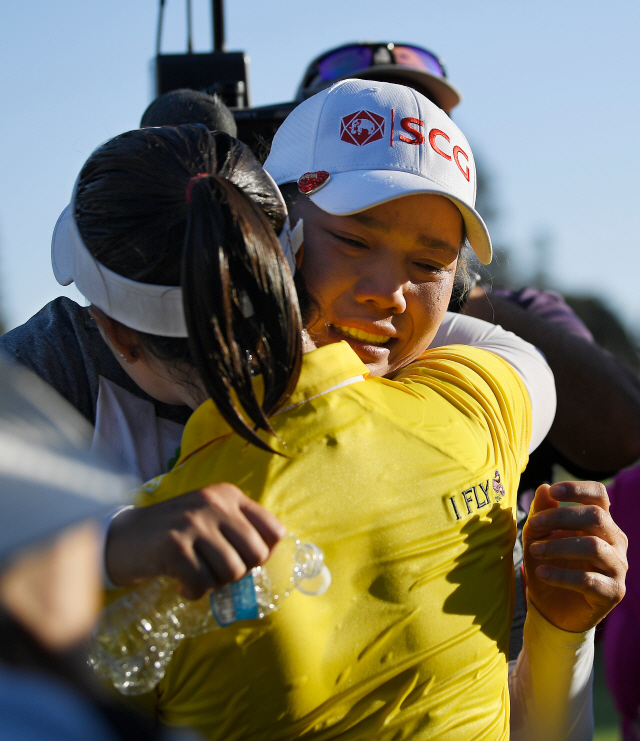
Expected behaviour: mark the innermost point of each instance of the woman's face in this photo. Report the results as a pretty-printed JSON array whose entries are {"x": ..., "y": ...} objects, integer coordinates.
[{"x": 381, "y": 278}]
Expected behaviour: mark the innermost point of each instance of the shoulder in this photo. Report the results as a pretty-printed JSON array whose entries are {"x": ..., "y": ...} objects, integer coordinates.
[
  {"x": 57, "y": 319},
  {"x": 470, "y": 377},
  {"x": 465, "y": 367},
  {"x": 61, "y": 325},
  {"x": 62, "y": 345},
  {"x": 529, "y": 363},
  {"x": 478, "y": 384},
  {"x": 547, "y": 305}
]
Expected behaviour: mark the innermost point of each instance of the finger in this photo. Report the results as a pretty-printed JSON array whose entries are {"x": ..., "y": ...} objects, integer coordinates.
[
  {"x": 246, "y": 525},
  {"x": 581, "y": 492},
  {"x": 585, "y": 520},
  {"x": 542, "y": 500},
  {"x": 596, "y": 552},
  {"x": 596, "y": 588},
  {"x": 269, "y": 527},
  {"x": 219, "y": 561},
  {"x": 186, "y": 566},
  {"x": 246, "y": 540},
  {"x": 591, "y": 519}
]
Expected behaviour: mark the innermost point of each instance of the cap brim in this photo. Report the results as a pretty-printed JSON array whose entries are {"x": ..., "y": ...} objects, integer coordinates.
[
  {"x": 357, "y": 190},
  {"x": 438, "y": 89},
  {"x": 60, "y": 253}
]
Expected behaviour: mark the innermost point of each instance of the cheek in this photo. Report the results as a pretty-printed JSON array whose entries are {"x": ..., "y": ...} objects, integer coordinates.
[
  {"x": 431, "y": 303},
  {"x": 321, "y": 276},
  {"x": 428, "y": 307}
]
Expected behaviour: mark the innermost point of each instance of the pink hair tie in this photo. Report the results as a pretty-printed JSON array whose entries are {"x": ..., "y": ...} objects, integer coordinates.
[{"x": 191, "y": 182}]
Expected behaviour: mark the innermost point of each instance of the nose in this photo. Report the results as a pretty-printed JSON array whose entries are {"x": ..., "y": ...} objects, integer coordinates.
[{"x": 385, "y": 287}]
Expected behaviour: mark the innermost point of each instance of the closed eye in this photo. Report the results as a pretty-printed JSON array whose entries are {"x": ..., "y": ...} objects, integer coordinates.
[
  {"x": 349, "y": 240},
  {"x": 430, "y": 268}
]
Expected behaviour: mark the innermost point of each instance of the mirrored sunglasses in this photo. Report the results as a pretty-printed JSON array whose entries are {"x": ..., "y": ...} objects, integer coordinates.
[{"x": 354, "y": 58}]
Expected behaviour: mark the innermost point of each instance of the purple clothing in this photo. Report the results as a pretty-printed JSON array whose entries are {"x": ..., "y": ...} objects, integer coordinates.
[
  {"x": 621, "y": 635},
  {"x": 547, "y": 305},
  {"x": 551, "y": 307}
]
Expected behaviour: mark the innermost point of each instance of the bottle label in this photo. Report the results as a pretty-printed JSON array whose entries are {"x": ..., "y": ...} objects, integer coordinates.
[{"x": 235, "y": 602}]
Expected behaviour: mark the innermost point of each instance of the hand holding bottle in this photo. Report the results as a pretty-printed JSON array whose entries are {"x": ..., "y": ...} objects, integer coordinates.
[
  {"x": 138, "y": 633},
  {"x": 204, "y": 539}
]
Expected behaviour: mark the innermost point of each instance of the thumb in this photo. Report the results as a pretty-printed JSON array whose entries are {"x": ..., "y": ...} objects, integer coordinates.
[{"x": 542, "y": 500}]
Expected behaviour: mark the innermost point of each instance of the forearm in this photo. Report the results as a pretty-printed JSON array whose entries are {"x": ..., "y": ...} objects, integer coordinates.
[
  {"x": 550, "y": 686},
  {"x": 597, "y": 423}
]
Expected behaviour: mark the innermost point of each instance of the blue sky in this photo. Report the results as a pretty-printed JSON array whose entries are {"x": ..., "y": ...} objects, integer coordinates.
[{"x": 550, "y": 108}]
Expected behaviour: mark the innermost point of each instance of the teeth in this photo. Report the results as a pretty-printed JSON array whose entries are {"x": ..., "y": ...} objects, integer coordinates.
[{"x": 358, "y": 334}]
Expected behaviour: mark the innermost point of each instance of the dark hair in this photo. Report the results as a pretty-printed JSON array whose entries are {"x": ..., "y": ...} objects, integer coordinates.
[
  {"x": 132, "y": 213},
  {"x": 190, "y": 107}
]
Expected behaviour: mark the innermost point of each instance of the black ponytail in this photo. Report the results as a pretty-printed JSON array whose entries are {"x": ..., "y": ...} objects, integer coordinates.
[
  {"x": 239, "y": 303},
  {"x": 133, "y": 216}
]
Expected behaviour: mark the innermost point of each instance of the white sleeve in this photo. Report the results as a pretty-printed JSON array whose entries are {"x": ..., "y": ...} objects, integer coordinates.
[
  {"x": 527, "y": 360},
  {"x": 550, "y": 686}
]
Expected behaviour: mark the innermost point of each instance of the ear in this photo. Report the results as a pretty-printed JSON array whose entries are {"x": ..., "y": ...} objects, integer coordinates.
[{"x": 123, "y": 340}]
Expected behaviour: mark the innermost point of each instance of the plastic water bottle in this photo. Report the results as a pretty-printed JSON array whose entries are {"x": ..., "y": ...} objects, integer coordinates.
[{"x": 137, "y": 634}]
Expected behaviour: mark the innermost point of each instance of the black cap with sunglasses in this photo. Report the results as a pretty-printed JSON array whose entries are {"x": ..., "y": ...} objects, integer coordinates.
[{"x": 405, "y": 64}]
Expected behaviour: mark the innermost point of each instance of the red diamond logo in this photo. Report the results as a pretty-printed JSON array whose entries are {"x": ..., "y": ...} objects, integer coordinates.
[{"x": 361, "y": 127}]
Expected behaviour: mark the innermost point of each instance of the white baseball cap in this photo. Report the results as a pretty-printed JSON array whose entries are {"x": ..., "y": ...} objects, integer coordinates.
[
  {"x": 361, "y": 143},
  {"x": 49, "y": 478}
]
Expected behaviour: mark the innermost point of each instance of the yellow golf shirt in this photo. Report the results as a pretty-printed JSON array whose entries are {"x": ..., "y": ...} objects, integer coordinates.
[{"x": 409, "y": 487}]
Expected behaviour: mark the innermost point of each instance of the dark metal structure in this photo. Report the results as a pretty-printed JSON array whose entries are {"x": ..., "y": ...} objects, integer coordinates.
[{"x": 223, "y": 72}]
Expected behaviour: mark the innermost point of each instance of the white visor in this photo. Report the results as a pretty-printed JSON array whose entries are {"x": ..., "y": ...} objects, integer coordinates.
[{"x": 144, "y": 307}]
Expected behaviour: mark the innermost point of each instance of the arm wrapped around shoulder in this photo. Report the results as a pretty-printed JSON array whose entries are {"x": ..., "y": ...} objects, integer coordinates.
[{"x": 527, "y": 360}]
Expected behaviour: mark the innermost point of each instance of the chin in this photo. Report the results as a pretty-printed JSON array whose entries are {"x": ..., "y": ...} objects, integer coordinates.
[{"x": 380, "y": 369}]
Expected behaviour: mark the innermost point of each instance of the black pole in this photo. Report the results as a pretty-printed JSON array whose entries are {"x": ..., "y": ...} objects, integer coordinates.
[
  {"x": 160, "y": 19},
  {"x": 189, "y": 29},
  {"x": 218, "y": 25}
]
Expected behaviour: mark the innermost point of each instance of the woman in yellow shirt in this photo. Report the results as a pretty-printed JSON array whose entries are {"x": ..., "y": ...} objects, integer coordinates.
[{"x": 410, "y": 639}]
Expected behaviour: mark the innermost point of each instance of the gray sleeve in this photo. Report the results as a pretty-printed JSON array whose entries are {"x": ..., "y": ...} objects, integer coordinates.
[
  {"x": 63, "y": 345},
  {"x": 57, "y": 344}
]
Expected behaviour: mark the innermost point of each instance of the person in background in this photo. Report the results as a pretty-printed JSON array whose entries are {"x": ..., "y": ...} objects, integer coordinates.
[
  {"x": 402, "y": 64},
  {"x": 186, "y": 106},
  {"x": 621, "y": 640},
  {"x": 54, "y": 495}
]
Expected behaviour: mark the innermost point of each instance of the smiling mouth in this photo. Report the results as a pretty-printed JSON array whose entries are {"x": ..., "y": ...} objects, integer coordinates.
[{"x": 358, "y": 334}]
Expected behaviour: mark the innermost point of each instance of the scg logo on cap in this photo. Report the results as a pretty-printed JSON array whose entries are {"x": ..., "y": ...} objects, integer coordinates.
[
  {"x": 361, "y": 127},
  {"x": 364, "y": 127}
]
